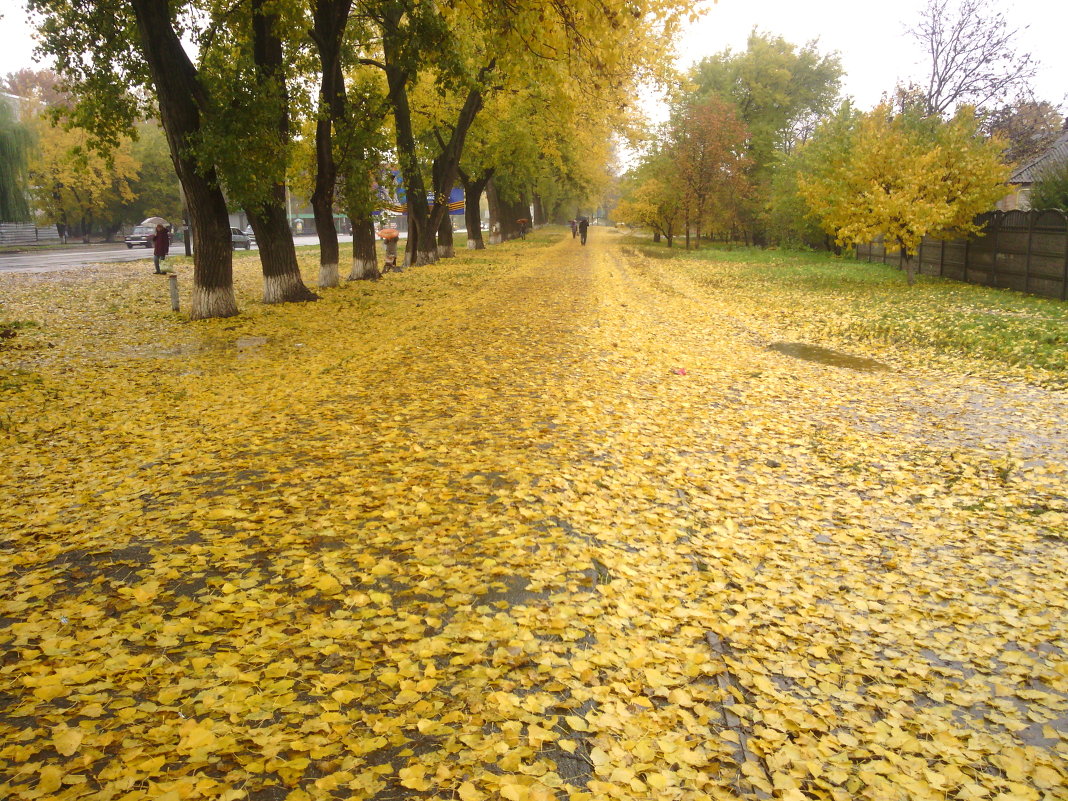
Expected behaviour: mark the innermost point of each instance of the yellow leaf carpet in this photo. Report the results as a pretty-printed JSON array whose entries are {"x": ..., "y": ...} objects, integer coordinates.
[{"x": 540, "y": 522}]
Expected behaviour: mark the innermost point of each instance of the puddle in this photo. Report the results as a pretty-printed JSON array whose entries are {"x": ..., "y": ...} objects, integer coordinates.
[{"x": 814, "y": 353}]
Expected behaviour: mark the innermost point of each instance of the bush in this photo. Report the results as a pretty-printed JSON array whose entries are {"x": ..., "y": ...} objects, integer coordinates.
[{"x": 1051, "y": 189}]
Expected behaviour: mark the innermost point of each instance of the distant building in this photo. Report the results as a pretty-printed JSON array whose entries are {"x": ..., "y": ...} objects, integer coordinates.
[
  {"x": 17, "y": 103},
  {"x": 1027, "y": 174}
]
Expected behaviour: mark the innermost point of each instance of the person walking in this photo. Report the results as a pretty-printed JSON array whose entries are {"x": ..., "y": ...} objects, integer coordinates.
[
  {"x": 584, "y": 227},
  {"x": 161, "y": 245},
  {"x": 574, "y": 228}
]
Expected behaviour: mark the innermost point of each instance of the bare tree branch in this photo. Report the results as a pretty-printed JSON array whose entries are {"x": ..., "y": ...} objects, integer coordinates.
[{"x": 972, "y": 56}]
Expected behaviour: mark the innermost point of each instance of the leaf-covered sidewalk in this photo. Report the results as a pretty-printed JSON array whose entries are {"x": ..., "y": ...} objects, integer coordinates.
[{"x": 543, "y": 522}]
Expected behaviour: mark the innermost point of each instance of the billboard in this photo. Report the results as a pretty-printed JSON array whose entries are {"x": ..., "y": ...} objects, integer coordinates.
[{"x": 389, "y": 187}]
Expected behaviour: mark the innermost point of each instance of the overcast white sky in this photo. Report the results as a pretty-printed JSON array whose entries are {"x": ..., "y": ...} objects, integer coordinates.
[{"x": 870, "y": 36}]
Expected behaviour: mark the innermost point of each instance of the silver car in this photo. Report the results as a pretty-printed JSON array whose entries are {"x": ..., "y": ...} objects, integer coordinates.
[
  {"x": 141, "y": 236},
  {"x": 239, "y": 240}
]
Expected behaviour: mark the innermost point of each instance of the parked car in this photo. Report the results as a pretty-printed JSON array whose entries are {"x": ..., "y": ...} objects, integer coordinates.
[
  {"x": 140, "y": 237},
  {"x": 239, "y": 240},
  {"x": 250, "y": 234}
]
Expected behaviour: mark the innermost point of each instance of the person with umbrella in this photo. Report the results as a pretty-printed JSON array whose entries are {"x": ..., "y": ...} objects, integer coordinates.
[
  {"x": 390, "y": 237},
  {"x": 584, "y": 227},
  {"x": 161, "y": 246}
]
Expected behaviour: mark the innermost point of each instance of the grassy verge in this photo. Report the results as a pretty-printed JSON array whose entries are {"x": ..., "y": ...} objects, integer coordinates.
[{"x": 822, "y": 297}]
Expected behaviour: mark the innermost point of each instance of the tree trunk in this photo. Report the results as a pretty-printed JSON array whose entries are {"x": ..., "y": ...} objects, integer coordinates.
[
  {"x": 422, "y": 245},
  {"x": 473, "y": 189},
  {"x": 282, "y": 281},
  {"x": 446, "y": 165},
  {"x": 445, "y": 239},
  {"x": 511, "y": 212},
  {"x": 328, "y": 268},
  {"x": 322, "y": 201},
  {"x": 364, "y": 251},
  {"x": 494, "y": 201},
  {"x": 539, "y": 211},
  {"x": 330, "y": 17},
  {"x": 910, "y": 265},
  {"x": 181, "y": 97}
]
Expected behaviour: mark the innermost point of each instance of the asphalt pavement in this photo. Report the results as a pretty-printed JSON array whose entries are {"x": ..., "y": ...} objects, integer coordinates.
[
  {"x": 34, "y": 260},
  {"x": 44, "y": 260}
]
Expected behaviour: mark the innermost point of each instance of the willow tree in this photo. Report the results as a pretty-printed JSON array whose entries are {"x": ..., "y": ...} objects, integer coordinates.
[
  {"x": 902, "y": 178},
  {"x": 14, "y": 150}
]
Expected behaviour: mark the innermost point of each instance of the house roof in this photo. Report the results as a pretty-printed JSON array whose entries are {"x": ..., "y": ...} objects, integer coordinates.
[{"x": 1032, "y": 171}]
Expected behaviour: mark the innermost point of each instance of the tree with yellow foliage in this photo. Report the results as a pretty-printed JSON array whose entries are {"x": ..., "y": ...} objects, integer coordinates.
[
  {"x": 77, "y": 187},
  {"x": 652, "y": 198},
  {"x": 901, "y": 177}
]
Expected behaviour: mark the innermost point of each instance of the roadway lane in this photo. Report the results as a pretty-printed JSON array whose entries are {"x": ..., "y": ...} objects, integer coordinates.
[
  {"x": 80, "y": 256},
  {"x": 54, "y": 260}
]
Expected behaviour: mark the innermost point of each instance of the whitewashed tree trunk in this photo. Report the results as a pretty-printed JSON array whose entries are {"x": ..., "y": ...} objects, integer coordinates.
[
  {"x": 328, "y": 275},
  {"x": 208, "y": 302},
  {"x": 283, "y": 288},
  {"x": 364, "y": 269}
]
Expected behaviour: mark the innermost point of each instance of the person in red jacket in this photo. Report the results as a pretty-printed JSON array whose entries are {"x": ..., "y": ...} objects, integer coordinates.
[{"x": 161, "y": 245}]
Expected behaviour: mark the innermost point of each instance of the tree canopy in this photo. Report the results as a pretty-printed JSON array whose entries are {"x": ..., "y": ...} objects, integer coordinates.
[
  {"x": 14, "y": 154},
  {"x": 972, "y": 55},
  {"x": 1028, "y": 127},
  {"x": 901, "y": 178},
  {"x": 779, "y": 91}
]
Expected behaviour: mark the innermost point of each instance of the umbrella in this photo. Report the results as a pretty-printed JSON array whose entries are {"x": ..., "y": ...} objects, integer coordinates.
[{"x": 389, "y": 233}]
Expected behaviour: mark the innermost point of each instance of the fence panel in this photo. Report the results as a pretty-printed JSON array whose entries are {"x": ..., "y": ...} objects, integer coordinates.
[
  {"x": 1025, "y": 251},
  {"x": 26, "y": 234}
]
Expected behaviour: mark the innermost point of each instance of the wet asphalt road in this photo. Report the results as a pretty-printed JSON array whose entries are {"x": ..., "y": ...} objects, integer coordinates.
[
  {"x": 54, "y": 259},
  {"x": 47, "y": 260}
]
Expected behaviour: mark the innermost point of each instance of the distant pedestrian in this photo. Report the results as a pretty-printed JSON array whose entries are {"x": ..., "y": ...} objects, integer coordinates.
[
  {"x": 574, "y": 228},
  {"x": 161, "y": 246},
  {"x": 390, "y": 236},
  {"x": 584, "y": 227}
]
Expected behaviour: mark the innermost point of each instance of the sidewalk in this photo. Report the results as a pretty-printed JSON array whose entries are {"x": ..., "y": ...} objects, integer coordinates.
[{"x": 548, "y": 523}]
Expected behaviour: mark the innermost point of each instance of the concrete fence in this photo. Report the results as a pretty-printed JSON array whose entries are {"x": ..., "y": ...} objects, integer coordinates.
[
  {"x": 26, "y": 234},
  {"x": 1022, "y": 250}
]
